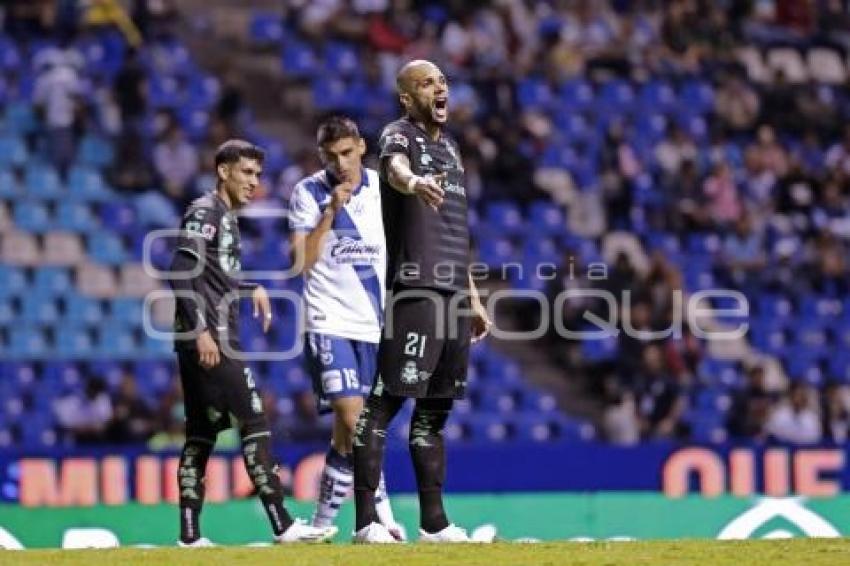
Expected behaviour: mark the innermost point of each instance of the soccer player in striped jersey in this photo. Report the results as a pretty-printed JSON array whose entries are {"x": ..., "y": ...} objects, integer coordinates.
[{"x": 338, "y": 244}]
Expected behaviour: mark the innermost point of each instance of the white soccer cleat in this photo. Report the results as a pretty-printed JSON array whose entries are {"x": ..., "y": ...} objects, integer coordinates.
[
  {"x": 374, "y": 533},
  {"x": 450, "y": 534},
  {"x": 202, "y": 542},
  {"x": 300, "y": 531}
]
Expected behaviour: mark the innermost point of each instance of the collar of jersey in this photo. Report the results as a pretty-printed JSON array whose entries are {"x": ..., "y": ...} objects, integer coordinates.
[{"x": 331, "y": 181}]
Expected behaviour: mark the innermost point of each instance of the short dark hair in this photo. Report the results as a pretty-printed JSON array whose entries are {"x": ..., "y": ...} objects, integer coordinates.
[
  {"x": 336, "y": 128},
  {"x": 232, "y": 150}
]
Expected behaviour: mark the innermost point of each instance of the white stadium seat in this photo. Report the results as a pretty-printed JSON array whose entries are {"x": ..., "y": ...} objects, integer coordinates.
[
  {"x": 826, "y": 66},
  {"x": 789, "y": 61}
]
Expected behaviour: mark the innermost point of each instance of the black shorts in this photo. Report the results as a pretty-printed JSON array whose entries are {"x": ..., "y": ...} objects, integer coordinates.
[
  {"x": 425, "y": 348},
  {"x": 212, "y": 396}
]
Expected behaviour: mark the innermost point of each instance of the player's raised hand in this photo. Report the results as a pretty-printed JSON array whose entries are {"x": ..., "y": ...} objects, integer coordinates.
[
  {"x": 481, "y": 323},
  {"x": 262, "y": 306},
  {"x": 208, "y": 354},
  {"x": 430, "y": 189},
  {"x": 341, "y": 195}
]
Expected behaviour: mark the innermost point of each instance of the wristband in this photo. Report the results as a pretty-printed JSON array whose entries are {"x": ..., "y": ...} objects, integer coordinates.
[{"x": 412, "y": 183}]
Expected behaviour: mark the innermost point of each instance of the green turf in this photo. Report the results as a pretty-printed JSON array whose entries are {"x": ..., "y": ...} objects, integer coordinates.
[{"x": 795, "y": 552}]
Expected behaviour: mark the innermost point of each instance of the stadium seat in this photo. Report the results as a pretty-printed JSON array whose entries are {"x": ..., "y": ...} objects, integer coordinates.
[
  {"x": 534, "y": 94},
  {"x": 9, "y": 186},
  {"x": 14, "y": 280},
  {"x": 504, "y": 217},
  {"x": 790, "y": 62},
  {"x": 42, "y": 182},
  {"x": 96, "y": 280},
  {"x": 52, "y": 281},
  {"x": 39, "y": 309},
  {"x": 26, "y": 342},
  {"x": 577, "y": 94},
  {"x": 62, "y": 249},
  {"x": 547, "y": 218},
  {"x": 341, "y": 59},
  {"x": 825, "y": 65},
  {"x": 32, "y": 216},
  {"x": 265, "y": 29},
  {"x": 658, "y": 95},
  {"x": 106, "y": 248},
  {"x": 20, "y": 248},
  {"x": 79, "y": 309},
  {"x": 13, "y": 151},
  {"x": 299, "y": 59},
  {"x": 73, "y": 342},
  {"x": 75, "y": 217},
  {"x": 95, "y": 151}
]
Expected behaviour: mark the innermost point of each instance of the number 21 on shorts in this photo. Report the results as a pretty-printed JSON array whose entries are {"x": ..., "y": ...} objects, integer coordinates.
[{"x": 415, "y": 345}]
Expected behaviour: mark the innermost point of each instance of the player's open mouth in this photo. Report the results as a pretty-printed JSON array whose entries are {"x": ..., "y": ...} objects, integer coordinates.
[{"x": 440, "y": 106}]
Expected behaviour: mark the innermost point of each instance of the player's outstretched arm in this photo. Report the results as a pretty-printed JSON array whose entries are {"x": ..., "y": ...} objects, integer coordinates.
[{"x": 403, "y": 179}]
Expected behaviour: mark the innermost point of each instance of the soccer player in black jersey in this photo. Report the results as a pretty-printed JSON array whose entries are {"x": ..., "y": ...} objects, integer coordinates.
[
  {"x": 217, "y": 385},
  {"x": 433, "y": 310}
]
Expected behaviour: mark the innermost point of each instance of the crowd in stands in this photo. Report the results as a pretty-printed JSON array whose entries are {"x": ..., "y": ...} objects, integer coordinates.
[
  {"x": 711, "y": 139},
  {"x": 685, "y": 144}
]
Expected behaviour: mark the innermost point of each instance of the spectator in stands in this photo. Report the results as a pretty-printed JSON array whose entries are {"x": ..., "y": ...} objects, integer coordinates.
[
  {"x": 838, "y": 155},
  {"x": 58, "y": 95},
  {"x": 85, "y": 417},
  {"x": 176, "y": 162},
  {"x": 620, "y": 419},
  {"x": 662, "y": 397},
  {"x": 110, "y": 13},
  {"x": 132, "y": 418},
  {"x": 736, "y": 104},
  {"x": 722, "y": 198},
  {"x": 768, "y": 153},
  {"x": 676, "y": 148},
  {"x": 170, "y": 417},
  {"x": 795, "y": 420},
  {"x": 130, "y": 87},
  {"x": 743, "y": 255},
  {"x": 751, "y": 407},
  {"x": 835, "y": 413}
]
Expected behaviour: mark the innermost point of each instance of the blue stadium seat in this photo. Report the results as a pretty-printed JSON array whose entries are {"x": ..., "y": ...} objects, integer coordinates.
[
  {"x": 547, "y": 218},
  {"x": 86, "y": 184},
  {"x": 26, "y": 341},
  {"x": 8, "y": 313},
  {"x": 126, "y": 310},
  {"x": 40, "y": 309},
  {"x": 57, "y": 374},
  {"x": 53, "y": 280},
  {"x": 95, "y": 151},
  {"x": 330, "y": 93},
  {"x": 203, "y": 92},
  {"x": 599, "y": 349},
  {"x": 118, "y": 216},
  {"x": 299, "y": 59},
  {"x": 42, "y": 181},
  {"x": 658, "y": 95},
  {"x": 73, "y": 342},
  {"x": 265, "y": 28},
  {"x": 576, "y": 94},
  {"x": 534, "y": 428},
  {"x": 32, "y": 216},
  {"x": 75, "y": 217},
  {"x": 14, "y": 280},
  {"x": 116, "y": 341},
  {"x": 13, "y": 151},
  {"x": 768, "y": 336},
  {"x": 698, "y": 95},
  {"x": 504, "y": 217},
  {"x": 534, "y": 94},
  {"x": 715, "y": 372},
  {"x": 164, "y": 92},
  {"x": 341, "y": 59},
  {"x": 488, "y": 428},
  {"x": 9, "y": 186},
  {"x": 496, "y": 252},
  {"x": 106, "y": 248},
  {"x": 156, "y": 374},
  {"x": 615, "y": 97}
]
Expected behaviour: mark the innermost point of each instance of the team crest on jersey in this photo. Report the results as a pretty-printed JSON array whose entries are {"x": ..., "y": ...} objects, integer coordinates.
[
  {"x": 400, "y": 139},
  {"x": 410, "y": 373}
]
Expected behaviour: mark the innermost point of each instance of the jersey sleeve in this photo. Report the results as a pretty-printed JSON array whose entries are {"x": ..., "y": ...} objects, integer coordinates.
[
  {"x": 198, "y": 229},
  {"x": 304, "y": 211},
  {"x": 395, "y": 139}
]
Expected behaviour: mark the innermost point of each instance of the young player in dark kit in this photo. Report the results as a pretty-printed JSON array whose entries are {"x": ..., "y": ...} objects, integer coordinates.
[
  {"x": 217, "y": 385},
  {"x": 433, "y": 311}
]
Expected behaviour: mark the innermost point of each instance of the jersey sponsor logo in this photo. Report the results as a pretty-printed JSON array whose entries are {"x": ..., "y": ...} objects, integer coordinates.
[
  {"x": 332, "y": 381},
  {"x": 396, "y": 138},
  {"x": 410, "y": 373},
  {"x": 425, "y": 160},
  {"x": 357, "y": 252},
  {"x": 456, "y": 189}
]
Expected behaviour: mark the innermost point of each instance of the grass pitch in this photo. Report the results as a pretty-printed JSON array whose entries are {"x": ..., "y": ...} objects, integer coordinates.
[{"x": 793, "y": 552}]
